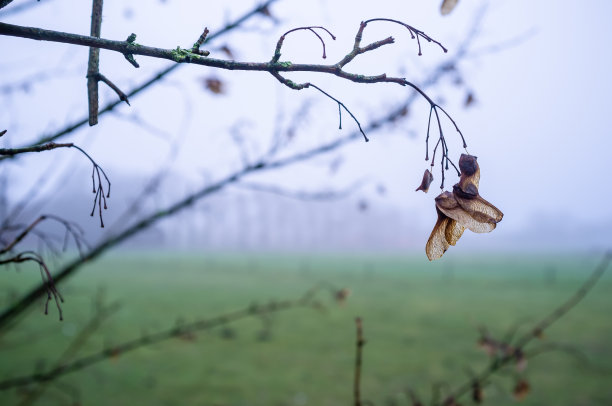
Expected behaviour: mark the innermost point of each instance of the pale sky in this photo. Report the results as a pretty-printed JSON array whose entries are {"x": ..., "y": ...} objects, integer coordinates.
[{"x": 540, "y": 124}]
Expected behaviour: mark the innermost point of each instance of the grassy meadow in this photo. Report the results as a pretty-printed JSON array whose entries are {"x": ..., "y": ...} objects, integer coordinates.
[{"x": 420, "y": 320}]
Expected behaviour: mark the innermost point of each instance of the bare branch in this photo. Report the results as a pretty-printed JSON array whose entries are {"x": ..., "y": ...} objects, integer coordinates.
[
  {"x": 102, "y": 313},
  {"x": 21, "y": 7},
  {"x": 72, "y": 230},
  {"x": 516, "y": 352},
  {"x": 38, "y": 148},
  {"x": 322, "y": 195},
  {"x": 4, "y": 3},
  {"x": 93, "y": 65},
  {"x": 180, "y": 55},
  {"x": 253, "y": 310},
  {"x": 262, "y": 9},
  {"x": 48, "y": 283}
]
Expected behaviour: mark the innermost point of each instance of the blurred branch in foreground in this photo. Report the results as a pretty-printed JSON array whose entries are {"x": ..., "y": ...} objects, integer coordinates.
[
  {"x": 307, "y": 300},
  {"x": 505, "y": 354}
]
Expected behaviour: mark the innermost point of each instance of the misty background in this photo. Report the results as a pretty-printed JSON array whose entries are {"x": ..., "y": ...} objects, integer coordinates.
[{"x": 538, "y": 74}]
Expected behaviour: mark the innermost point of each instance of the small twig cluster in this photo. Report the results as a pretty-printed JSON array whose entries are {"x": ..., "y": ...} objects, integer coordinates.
[
  {"x": 52, "y": 292},
  {"x": 96, "y": 175},
  {"x": 72, "y": 231}
]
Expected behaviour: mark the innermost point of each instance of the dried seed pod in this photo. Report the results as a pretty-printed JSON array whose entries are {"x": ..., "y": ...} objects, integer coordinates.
[
  {"x": 427, "y": 179},
  {"x": 448, "y": 6},
  {"x": 470, "y": 174},
  {"x": 453, "y": 231},
  {"x": 448, "y": 204},
  {"x": 437, "y": 244},
  {"x": 461, "y": 209},
  {"x": 478, "y": 208}
]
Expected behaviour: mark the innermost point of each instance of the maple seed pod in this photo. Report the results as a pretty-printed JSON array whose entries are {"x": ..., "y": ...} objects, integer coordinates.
[
  {"x": 448, "y": 6},
  {"x": 427, "y": 179},
  {"x": 468, "y": 164}
]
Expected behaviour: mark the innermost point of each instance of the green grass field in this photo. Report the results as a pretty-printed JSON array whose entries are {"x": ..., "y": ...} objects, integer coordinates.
[{"x": 420, "y": 321}]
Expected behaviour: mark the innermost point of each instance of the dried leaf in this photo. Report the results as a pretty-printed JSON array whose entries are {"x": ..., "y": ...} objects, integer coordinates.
[
  {"x": 227, "y": 51},
  {"x": 469, "y": 100},
  {"x": 521, "y": 389},
  {"x": 437, "y": 245},
  {"x": 448, "y": 6},
  {"x": 214, "y": 85},
  {"x": 341, "y": 296},
  {"x": 426, "y": 181}
]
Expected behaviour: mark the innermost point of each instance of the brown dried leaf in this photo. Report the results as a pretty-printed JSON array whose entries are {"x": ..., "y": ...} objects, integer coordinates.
[
  {"x": 214, "y": 85},
  {"x": 227, "y": 51},
  {"x": 448, "y": 6},
  {"x": 521, "y": 389},
  {"x": 426, "y": 181},
  {"x": 437, "y": 245},
  {"x": 469, "y": 100}
]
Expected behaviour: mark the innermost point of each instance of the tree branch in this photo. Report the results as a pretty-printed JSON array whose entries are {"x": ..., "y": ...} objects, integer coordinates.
[
  {"x": 37, "y": 148},
  {"x": 261, "y": 9},
  {"x": 182, "y": 55},
  {"x": 516, "y": 352},
  {"x": 4, "y": 3},
  {"x": 253, "y": 310},
  {"x": 93, "y": 66}
]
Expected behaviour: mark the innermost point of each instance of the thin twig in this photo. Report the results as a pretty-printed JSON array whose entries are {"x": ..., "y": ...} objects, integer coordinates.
[
  {"x": 72, "y": 230},
  {"x": 358, "y": 361},
  {"x": 122, "y": 96},
  {"x": 48, "y": 282},
  {"x": 322, "y": 195},
  {"x": 102, "y": 313}
]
